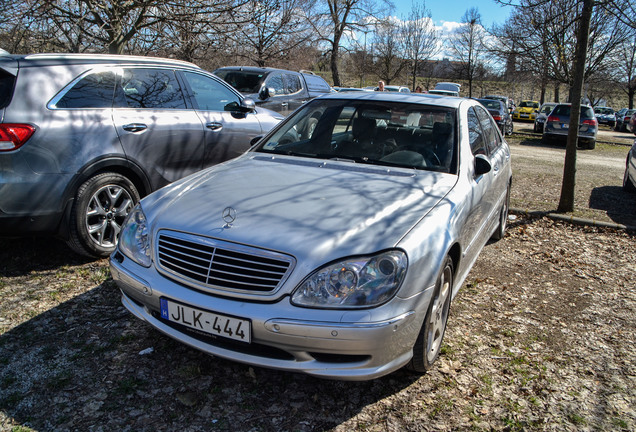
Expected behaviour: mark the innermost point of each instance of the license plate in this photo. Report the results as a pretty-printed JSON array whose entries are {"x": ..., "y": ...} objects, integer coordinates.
[
  {"x": 206, "y": 321},
  {"x": 525, "y": 115},
  {"x": 565, "y": 125}
]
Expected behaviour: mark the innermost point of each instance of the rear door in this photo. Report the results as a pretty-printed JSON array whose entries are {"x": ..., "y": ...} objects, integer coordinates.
[
  {"x": 228, "y": 131},
  {"x": 297, "y": 93},
  {"x": 156, "y": 128}
]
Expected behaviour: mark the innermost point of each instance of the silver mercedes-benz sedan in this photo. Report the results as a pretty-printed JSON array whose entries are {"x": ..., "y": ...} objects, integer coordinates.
[{"x": 336, "y": 251}]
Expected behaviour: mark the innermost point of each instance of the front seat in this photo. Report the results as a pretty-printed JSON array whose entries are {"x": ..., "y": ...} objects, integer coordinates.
[{"x": 442, "y": 140}]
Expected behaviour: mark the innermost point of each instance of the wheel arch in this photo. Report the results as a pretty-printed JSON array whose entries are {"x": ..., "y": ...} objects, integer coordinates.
[{"x": 117, "y": 165}]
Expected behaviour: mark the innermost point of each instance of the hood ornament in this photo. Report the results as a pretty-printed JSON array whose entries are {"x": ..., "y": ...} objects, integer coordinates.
[{"x": 229, "y": 216}]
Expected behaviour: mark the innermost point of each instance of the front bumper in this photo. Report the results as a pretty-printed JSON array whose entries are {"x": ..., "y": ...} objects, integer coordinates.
[
  {"x": 336, "y": 344},
  {"x": 524, "y": 116}
]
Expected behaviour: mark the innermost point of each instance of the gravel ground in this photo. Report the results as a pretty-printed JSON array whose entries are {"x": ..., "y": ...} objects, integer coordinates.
[{"x": 541, "y": 337}]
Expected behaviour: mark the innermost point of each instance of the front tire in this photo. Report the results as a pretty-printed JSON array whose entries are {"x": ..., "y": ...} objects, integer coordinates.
[
  {"x": 429, "y": 341},
  {"x": 101, "y": 205}
]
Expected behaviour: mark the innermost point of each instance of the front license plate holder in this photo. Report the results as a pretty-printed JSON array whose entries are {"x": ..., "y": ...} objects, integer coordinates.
[{"x": 209, "y": 322}]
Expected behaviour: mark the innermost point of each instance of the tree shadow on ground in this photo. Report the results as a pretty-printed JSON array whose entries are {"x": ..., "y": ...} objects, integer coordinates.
[
  {"x": 79, "y": 366},
  {"x": 21, "y": 256},
  {"x": 619, "y": 205}
]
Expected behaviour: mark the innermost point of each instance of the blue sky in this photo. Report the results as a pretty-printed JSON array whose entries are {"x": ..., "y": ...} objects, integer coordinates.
[{"x": 453, "y": 10}]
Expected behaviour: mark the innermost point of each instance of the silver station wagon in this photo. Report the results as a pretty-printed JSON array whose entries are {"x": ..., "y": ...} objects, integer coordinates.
[{"x": 335, "y": 254}]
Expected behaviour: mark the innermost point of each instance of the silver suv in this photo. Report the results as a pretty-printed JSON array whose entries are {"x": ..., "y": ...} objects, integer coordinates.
[{"x": 83, "y": 137}]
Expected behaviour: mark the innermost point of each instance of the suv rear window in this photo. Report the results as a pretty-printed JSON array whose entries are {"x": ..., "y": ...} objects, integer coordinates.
[
  {"x": 315, "y": 83},
  {"x": 92, "y": 91},
  {"x": 243, "y": 81},
  {"x": 7, "y": 81}
]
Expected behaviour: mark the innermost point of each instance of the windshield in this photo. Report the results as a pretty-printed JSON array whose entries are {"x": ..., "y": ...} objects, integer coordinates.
[
  {"x": 370, "y": 132},
  {"x": 528, "y": 104},
  {"x": 243, "y": 81},
  {"x": 490, "y": 104}
]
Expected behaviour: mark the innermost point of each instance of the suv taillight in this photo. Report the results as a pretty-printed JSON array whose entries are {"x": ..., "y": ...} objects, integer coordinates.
[
  {"x": 590, "y": 122},
  {"x": 552, "y": 119},
  {"x": 496, "y": 118},
  {"x": 14, "y": 135}
]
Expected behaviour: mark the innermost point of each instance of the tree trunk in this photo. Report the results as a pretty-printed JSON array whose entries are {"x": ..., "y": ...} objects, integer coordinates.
[
  {"x": 566, "y": 202},
  {"x": 335, "y": 73}
]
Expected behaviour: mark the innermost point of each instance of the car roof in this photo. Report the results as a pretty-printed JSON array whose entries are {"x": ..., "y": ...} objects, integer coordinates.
[
  {"x": 13, "y": 61},
  {"x": 417, "y": 98},
  {"x": 252, "y": 69}
]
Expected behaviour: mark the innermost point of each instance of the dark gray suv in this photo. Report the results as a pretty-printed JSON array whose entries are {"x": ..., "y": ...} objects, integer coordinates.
[{"x": 83, "y": 137}]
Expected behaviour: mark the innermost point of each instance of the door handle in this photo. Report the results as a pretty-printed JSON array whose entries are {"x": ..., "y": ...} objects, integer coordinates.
[
  {"x": 214, "y": 125},
  {"x": 134, "y": 127}
]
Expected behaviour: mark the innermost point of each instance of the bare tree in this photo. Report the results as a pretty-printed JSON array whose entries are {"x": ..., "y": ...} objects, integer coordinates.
[
  {"x": 388, "y": 51},
  {"x": 566, "y": 201},
  {"x": 333, "y": 19},
  {"x": 268, "y": 30},
  {"x": 467, "y": 46},
  {"x": 625, "y": 66},
  {"x": 420, "y": 38},
  {"x": 115, "y": 23}
]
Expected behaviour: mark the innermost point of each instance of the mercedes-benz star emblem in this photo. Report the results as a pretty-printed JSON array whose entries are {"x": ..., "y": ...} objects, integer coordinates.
[{"x": 229, "y": 216}]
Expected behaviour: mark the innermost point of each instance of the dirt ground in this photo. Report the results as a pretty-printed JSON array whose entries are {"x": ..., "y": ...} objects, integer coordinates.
[{"x": 541, "y": 337}]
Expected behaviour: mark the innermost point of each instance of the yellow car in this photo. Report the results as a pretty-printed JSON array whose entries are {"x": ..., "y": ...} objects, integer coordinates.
[{"x": 527, "y": 110}]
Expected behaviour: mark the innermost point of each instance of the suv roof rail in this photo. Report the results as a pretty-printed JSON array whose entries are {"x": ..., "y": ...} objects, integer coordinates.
[
  {"x": 115, "y": 57},
  {"x": 307, "y": 72}
]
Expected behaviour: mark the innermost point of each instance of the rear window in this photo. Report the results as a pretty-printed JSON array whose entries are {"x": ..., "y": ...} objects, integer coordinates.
[
  {"x": 564, "y": 110},
  {"x": 243, "y": 81},
  {"x": 92, "y": 91},
  {"x": 316, "y": 84},
  {"x": 7, "y": 82}
]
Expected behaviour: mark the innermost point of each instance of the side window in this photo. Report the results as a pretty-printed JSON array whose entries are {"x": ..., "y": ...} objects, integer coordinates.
[
  {"x": 150, "y": 88},
  {"x": 275, "y": 81},
  {"x": 293, "y": 83},
  {"x": 208, "y": 94},
  {"x": 7, "y": 81},
  {"x": 95, "y": 90},
  {"x": 488, "y": 127},
  {"x": 477, "y": 143}
]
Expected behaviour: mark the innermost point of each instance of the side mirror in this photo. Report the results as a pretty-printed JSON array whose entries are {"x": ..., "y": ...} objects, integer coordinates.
[
  {"x": 247, "y": 105},
  {"x": 482, "y": 165},
  {"x": 266, "y": 92}
]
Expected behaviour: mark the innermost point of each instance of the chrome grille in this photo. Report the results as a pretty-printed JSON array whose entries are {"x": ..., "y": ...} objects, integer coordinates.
[{"x": 221, "y": 265}]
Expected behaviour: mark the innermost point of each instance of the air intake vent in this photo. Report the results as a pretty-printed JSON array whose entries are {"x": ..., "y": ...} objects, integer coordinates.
[{"x": 222, "y": 265}]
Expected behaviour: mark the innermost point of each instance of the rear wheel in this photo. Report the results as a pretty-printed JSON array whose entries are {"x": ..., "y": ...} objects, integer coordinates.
[
  {"x": 101, "y": 205},
  {"x": 429, "y": 341}
]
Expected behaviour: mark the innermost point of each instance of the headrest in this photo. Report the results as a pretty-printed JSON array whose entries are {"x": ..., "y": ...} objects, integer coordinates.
[
  {"x": 363, "y": 126},
  {"x": 441, "y": 128}
]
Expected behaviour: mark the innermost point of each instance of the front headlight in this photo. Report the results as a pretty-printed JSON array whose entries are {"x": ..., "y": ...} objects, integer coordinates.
[
  {"x": 353, "y": 283},
  {"x": 134, "y": 241}
]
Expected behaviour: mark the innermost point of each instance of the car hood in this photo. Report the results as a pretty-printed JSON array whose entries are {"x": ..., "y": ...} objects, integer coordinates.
[{"x": 313, "y": 209}]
